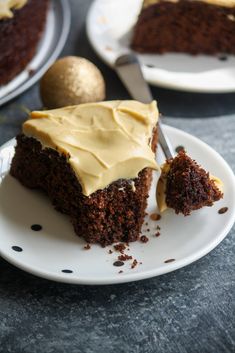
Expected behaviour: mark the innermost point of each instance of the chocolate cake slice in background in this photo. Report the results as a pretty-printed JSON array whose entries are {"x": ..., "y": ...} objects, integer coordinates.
[
  {"x": 104, "y": 203},
  {"x": 186, "y": 26},
  {"x": 21, "y": 26}
]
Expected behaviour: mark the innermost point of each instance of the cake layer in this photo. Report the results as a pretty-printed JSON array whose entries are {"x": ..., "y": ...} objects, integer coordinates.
[
  {"x": 187, "y": 26},
  {"x": 67, "y": 152},
  {"x": 20, "y": 36},
  {"x": 104, "y": 141},
  {"x": 113, "y": 214}
]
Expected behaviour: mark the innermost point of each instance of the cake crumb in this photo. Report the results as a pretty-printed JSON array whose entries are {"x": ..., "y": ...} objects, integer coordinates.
[
  {"x": 158, "y": 228},
  {"x": 120, "y": 247},
  {"x": 120, "y": 271},
  {"x": 144, "y": 239},
  {"x": 87, "y": 247},
  {"x": 155, "y": 217},
  {"x": 157, "y": 234},
  {"x": 124, "y": 257},
  {"x": 134, "y": 264},
  {"x": 223, "y": 210},
  {"x": 31, "y": 72},
  {"x": 148, "y": 230},
  {"x": 110, "y": 251},
  {"x": 179, "y": 148},
  {"x": 169, "y": 260}
]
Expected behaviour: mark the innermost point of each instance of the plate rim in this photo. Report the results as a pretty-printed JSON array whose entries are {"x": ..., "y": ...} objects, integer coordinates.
[
  {"x": 66, "y": 17},
  {"x": 173, "y": 85},
  {"x": 131, "y": 277}
]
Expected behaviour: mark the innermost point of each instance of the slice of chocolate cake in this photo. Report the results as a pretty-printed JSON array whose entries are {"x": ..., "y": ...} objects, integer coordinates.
[
  {"x": 185, "y": 186},
  {"x": 186, "y": 26},
  {"x": 21, "y": 26},
  {"x": 95, "y": 163}
]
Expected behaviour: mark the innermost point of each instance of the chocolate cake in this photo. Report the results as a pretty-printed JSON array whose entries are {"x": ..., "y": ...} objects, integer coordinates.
[
  {"x": 95, "y": 163},
  {"x": 185, "y": 186},
  {"x": 21, "y": 26},
  {"x": 186, "y": 26}
]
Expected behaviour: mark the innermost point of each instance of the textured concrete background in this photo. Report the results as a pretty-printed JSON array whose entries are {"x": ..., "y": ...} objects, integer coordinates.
[{"x": 188, "y": 311}]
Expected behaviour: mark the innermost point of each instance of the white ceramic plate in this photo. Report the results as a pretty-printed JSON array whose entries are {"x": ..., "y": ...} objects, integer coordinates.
[
  {"x": 55, "y": 248},
  {"x": 109, "y": 28},
  {"x": 49, "y": 48}
]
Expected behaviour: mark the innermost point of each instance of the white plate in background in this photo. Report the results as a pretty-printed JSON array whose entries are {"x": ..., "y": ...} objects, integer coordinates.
[
  {"x": 109, "y": 28},
  {"x": 50, "y": 46}
]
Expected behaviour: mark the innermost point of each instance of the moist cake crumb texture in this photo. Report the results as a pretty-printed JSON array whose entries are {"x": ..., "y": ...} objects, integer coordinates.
[{"x": 188, "y": 186}]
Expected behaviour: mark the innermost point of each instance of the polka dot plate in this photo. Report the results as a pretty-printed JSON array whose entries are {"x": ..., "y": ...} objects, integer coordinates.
[
  {"x": 40, "y": 240},
  {"x": 110, "y": 25}
]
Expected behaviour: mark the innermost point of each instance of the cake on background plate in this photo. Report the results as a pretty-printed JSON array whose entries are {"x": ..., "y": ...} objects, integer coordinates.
[
  {"x": 186, "y": 26},
  {"x": 21, "y": 26},
  {"x": 95, "y": 162}
]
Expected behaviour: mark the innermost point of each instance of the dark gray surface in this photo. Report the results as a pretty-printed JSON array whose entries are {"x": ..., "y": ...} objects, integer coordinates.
[{"x": 188, "y": 311}]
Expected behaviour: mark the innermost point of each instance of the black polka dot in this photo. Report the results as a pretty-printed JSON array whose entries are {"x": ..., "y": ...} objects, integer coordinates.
[
  {"x": 169, "y": 260},
  {"x": 67, "y": 271},
  {"x": 223, "y": 58},
  {"x": 17, "y": 248},
  {"x": 36, "y": 227},
  {"x": 223, "y": 210},
  {"x": 118, "y": 263}
]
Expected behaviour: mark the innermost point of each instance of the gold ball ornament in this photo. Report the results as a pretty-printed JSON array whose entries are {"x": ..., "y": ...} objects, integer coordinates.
[{"x": 71, "y": 80}]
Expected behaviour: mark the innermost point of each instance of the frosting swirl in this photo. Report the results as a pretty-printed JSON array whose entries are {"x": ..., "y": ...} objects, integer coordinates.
[{"x": 104, "y": 141}]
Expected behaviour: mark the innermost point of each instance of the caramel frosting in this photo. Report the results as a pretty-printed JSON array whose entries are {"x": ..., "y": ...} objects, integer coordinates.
[
  {"x": 103, "y": 141},
  {"x": 223, "y": 3},
  {"x": 161, "y": 186},
  {"x": 6, "y": 7}
]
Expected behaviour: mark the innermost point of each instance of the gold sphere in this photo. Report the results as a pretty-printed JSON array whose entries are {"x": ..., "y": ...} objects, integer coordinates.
[{"x": 71, "y": 80}]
